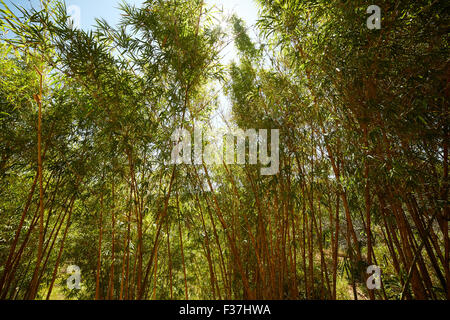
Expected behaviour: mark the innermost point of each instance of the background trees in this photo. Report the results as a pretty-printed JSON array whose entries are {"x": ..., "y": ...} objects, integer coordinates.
[{"x": 363, "y": 154}]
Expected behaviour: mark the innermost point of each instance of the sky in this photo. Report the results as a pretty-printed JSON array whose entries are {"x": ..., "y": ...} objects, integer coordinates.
[
  {"x": 89, "y": 10},
  {"x": 108, "y": 9}
]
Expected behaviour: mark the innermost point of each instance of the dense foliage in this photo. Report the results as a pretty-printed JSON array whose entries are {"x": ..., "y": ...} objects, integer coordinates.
[{"x": 87, "y": 118}]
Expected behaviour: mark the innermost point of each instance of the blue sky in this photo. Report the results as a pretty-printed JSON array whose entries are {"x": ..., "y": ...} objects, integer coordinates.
[
  {"x": 108, "y": 9},
  {"x": 90, "y": 9}
]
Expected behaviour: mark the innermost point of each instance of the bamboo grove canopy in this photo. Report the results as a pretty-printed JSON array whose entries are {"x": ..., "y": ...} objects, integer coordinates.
[{"x": 86, "y": 119}]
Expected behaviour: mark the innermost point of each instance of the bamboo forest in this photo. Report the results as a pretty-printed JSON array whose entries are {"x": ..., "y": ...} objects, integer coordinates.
[{"x": 337, "y": 189}]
